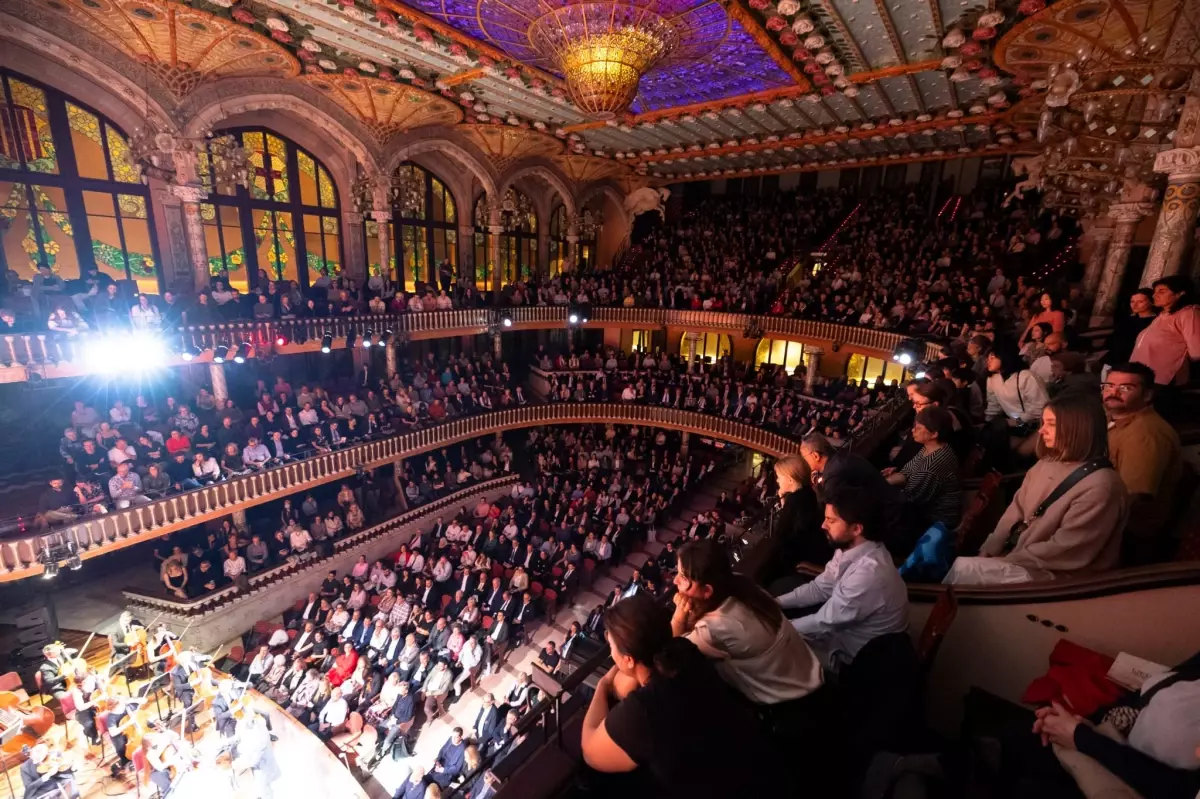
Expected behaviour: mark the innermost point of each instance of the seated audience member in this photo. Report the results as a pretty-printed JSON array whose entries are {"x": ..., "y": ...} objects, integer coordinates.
[
  {"x": 742, "y": 630},
  {"x": 1070, "y": 511},
  {"x": 798, "y": 519},
  {"x": 860, "y": 594},
  {"x": 663, "y": 710},
  {"x": 1014, "y": 393},
  {"x": 1144, "y": 450},
  {"x": 930, "y": 480}
]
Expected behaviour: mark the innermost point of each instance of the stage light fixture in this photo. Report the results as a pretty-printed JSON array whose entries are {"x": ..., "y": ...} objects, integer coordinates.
[
  {"x": 506, "y": 320},
  {"x": 351, "y": 337},
  {"x": 908, "y": 352},
  {"x": 190, "y": 352},
  {"x": 368, "y": 337},
  {"x": 573, "y": 318},
  {"x": 136, "y": 352},
  {"x": 241, "y": 355},
  {"x": 326, "y": 342},
  {"x": 385, "y": 338},
  {"x": 74, "y": 563},
  {"x": 219, "y": 353},
  {"x": 281, "y": 340},
  {"x": 50, "y": 570}
]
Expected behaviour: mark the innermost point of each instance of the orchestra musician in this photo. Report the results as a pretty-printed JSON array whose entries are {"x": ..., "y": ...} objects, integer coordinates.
[
  {"x": 181, "y": 686},
  {"x": 55, "y": 670},
  {"x": 130, "y": 640},
  {"x": 224, "y": 709},
  {"x": 121, "y": 724},
  {"x": 255, "y": 752},
  {"x": 165, "y": 756},
  {"x": 87, "y": 694},
  {"x": 45, "y": 775}
]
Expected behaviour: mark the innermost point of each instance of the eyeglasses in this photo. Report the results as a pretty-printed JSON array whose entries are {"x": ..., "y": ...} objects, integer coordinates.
[{"x": 1119, "y": 388}]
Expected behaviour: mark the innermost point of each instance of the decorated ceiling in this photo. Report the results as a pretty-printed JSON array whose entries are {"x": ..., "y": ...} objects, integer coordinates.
[{"x": 751, "y": 86}]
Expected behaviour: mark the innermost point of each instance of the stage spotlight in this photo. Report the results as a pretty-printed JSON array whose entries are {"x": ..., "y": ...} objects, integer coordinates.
[
  {"x": 506, "y": 320},
  {"x": 219, "y": 353},
  {"x": 573, "y": 318},
  {"x": 327, "y": 342},
  {"x": 234, "y": 354},
  {"x": 385, "y": 338},
  {"x": 242, "y": 354},
  {"x": 281, "y": 340},
  {"x": 190, "y": 352},
  {"x": 74, "y": 563},
  {"x": 137, "y": 352},
  {"x": 351, "y": 337},
  {"x": 367, "y": 338},
  {"x": 51, "y": 570},
  {"x": 908, "y": 352}
]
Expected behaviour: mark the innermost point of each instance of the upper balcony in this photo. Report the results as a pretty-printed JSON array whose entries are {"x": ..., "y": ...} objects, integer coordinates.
[{"x": 45, "y": 355}]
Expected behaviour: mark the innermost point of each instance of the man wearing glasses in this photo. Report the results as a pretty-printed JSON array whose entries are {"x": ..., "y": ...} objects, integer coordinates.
[{"x": 1145, "y": 451}]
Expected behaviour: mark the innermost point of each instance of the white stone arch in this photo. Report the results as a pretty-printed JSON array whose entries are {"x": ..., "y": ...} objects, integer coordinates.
[
  {"x": 450, "y": 149},
  {"x": 547, "y": 173},
  {"x": 300, "y": 110}
]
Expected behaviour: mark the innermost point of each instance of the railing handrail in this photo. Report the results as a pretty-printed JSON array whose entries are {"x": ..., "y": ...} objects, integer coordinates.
[
  {"x": 138, "y": 523},
  {"x": 258, "y": 581}
]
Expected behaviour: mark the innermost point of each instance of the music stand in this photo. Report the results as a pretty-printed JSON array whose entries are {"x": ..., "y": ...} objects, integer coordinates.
[
  {"x": 157, "y": 700},
  {"x": 121, "y": 665}
]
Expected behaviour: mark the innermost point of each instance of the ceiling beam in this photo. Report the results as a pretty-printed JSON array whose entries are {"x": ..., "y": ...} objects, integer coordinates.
[
  {"x": 463, "y": 77},
  {"x": 873, "y": 75},
  {"x": 890, "y": 26},
  {"x": 746, "y": 19},
  {"x": 851, "y": 43},
  {"x": 910, "y": 128}
]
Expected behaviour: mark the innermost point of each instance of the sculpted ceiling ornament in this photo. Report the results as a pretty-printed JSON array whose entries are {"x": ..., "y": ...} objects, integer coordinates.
[
  {"x": 504, "y": 146},
  {"x": 386, "y": 109},
  {"x": 181, "y": 46}
]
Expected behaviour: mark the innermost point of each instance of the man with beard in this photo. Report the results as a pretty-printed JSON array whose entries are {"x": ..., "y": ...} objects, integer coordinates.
[{"x": 860, "y": 594}]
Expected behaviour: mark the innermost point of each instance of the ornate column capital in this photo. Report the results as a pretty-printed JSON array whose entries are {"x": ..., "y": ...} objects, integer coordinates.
[
  {"x": 353, "y": 218},
  {"x": 188, "y": 194},
  {"x": 1130, "y": 212},
  {"x": 496, "y": 230},
  {"x": 815, "y": 352},
  {"x": 1180, "y": 164},
  {"x": 572, "y": 239},
  {"x": 381, "y": 216}
]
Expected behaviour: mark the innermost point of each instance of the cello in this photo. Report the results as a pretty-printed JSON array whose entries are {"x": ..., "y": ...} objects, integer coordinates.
[{"x": 34, "y": 722}]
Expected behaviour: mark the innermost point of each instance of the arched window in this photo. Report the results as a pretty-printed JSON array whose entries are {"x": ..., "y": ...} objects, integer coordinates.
[
  {"x": 289, "y": 216},
  {"x": 710, "y": 345},
  {"x": 483, "y": 240},
  {"x": 428, "y": 222},
  {"x": 558, "y": 240},
  {"x": 69, "y": 198},
  {"x": 789, "y": 354},
  {"x": 518, "y": 243},
  {"x": 589, "y": 226}
]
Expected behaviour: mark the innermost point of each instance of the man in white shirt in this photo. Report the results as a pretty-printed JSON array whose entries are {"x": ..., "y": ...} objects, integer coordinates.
[
  {"x": 121, "y": 452},
  {"x": 300, "y": 540},
  {"x": 332, "y": 718},
  {"x": 255, "y": 455},
  {"x": 235, "y": 566},
  {"x": 308, "y": 416},
  {"x": 1042, "y": 367},
  {"x": 860, "y": 593}
]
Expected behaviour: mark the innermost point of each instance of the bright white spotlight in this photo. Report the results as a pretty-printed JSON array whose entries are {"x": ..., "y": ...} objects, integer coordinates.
[
  {"x": 136, "y": 352},
  {"x": 573, "y": 318},
  {"x": 920, "y": 375},
  {"x": 904, "y": 358}
]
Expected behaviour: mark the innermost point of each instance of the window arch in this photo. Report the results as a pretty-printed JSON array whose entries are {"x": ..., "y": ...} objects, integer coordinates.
[
  {"x": 710, "y": 345},
  {"x": 428, "y": 226},
  {"x": 483, "y": 240},
  {"x": 558, "y": 240},
  {"x": 588, "y": 230},
  {"x": 69, "y": 198},
  {"x": 290, "y": 216},
  {"x": 789, "y": 354}
]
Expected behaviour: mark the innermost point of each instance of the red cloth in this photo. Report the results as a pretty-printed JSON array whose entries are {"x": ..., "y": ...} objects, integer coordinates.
[
  {"x": 1077, "y": 678},
  {"x": 343, "y": 667}
]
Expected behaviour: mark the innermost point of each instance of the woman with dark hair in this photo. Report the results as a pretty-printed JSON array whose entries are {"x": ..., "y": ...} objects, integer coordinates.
[
  {"x": 1172, "y": 340},
  {"x": 664, "y": 709},
  {"x": 798, "y": 516},
  {"x": 1013, "y": 392},
  {"x": 1048, "y": 311},
  {"x": 1035, "y": 344},
  {"x": 741, "y": 627},
  {"x": 930, "y": 480},
  {"x": 1079, "y": 530},
  {"x": 1126, "y": 329}
]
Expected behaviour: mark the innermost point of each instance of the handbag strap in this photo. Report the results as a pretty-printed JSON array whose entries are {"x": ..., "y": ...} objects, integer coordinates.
[{"x": 1072, "y": 480}]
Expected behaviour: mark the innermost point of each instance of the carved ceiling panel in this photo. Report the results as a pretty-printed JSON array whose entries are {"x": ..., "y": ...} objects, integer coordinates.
[
  {"x": 386, "y": 108},
  {"x": 505, "y": 145},
  {"x": 180, "y": 45}
]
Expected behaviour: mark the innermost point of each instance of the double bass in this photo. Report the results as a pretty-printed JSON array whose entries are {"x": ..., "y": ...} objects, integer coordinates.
[{"x": 34, "y": 722}]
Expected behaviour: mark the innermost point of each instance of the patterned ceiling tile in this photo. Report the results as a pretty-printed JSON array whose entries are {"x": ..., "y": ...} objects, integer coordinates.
[
  {"x": 182, "y": 46},
  {"x": 583, "y": 169},
  {"x": 504, "y": 145},
  {"x": 731, "y": 62},
  {"x": 386, "y": 108}
]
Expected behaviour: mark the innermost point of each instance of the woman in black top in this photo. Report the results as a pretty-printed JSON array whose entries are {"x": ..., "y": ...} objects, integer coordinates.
[{"x": 664, "y": 710}]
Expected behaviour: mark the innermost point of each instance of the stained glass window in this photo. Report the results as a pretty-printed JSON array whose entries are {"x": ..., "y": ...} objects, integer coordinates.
[
  {"x": 518, "y": 247},
  {"x": 286, "y": 226},
  {"x": 710, "y": 345},
  {"x": 558, "y": 240},
  {"x": 69, "y": 197},
  {"x": 789, "y": 354},
  {"x": 427, "y": 233}
]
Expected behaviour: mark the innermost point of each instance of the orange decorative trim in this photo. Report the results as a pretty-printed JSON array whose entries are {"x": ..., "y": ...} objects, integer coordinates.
[
  {"x": 585, "y": 126},
  {"x": 1015, "y": 149},
  {"x": 739, "y": 12},
  {"x": 464, "y": 77},
  {"x": 900, "y": 69},
  {"x": 885, "y": 131}
]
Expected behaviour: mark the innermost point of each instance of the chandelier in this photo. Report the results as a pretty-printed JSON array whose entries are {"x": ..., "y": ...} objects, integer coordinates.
[
  {"x": 589, "y": 223},
  {"x": 603, "y": 50},
  {"x": 223, "y": 163},
  {"x": 404, "y": 190},
  {"x": 515, "y": 208}
]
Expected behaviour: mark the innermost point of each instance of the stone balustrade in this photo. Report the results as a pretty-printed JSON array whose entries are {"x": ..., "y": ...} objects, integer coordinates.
[{"x": 92, "y": 537}]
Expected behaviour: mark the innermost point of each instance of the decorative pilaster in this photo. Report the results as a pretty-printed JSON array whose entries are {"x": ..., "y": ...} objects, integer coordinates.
[
  {"x": 1126, "y": 217},
  {"x": 1100, "y": 231},
  {"x": 1177, "y": 219},
  {"x": 814, "y": 366},
  {"x": 190, "y": 198},
  {"x": 683, "y": 447},
  {"x": 496, "y": 348},
  {"x": 692, "y": 340},
  {"x": 352, "y": 238},
  {"x": 220, "y": 389},
  {"x": 572, "y": 260},
  {"x": 390, "y": 353}
]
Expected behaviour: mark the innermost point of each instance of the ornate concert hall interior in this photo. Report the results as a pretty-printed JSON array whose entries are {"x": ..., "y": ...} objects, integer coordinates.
[{"x": 586, "y": 398}]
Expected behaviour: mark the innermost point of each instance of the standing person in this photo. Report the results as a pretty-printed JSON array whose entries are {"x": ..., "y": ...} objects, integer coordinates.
[
  {"x": 1127, "y": 329},
  {"x": 797, "y": 518},
  {"x": 254, "y": 752},
  {"x": 1172, "y": 340},
  {"x": 663, "y": 709}
]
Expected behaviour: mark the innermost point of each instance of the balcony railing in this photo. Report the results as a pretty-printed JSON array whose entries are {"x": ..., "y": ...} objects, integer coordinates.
[
  {"x": 92, "y": 537},
  {"x": 50, "y": 350}
]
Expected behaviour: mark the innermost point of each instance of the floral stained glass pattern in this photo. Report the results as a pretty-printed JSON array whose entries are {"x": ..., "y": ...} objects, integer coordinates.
[
  {"x": 25, "y": 137},
  {"x": 118, "y": 151},
  {"x": 88, "y": 143}
]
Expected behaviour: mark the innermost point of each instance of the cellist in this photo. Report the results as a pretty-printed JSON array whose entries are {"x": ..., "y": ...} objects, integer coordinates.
[
  {"x": 121, "y": 724},
  {"x": 86, "y": 693}
]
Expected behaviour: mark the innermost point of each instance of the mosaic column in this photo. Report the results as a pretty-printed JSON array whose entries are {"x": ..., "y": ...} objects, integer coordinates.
[
  {"x": 1126, "y": 216},
  {"x": 683, "y": 447},
  {"x": 496, "y": 348},
  {"x": 382, "y": 218},
  {"x": 814, "y": 366},
  {"x": 572, "y": 243},
  {"x": 692, "y": 339},
  {"x": 1101, "y": 237},
  {"x": 495, "y": 230},
  {"x": 390, "y": 352},
  {"x": 220, "y": 389},
  {"x": 190, "y": 197},
  {"x": 352, "y": 240},
  {"x": 1177, "y": 219}
]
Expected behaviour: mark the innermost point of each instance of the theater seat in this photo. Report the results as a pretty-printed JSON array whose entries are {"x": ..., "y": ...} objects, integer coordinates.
[
  {"x": 972, "y": 530},
  {"x": 936, "y": 626},
  {"x": 345, "y": 741},
  {"x": 551, "y": 601},
  {"x": 536, "y": 589}
]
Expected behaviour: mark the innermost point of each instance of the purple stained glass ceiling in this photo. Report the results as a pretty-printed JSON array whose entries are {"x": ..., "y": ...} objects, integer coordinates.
[{"x": 717, "y": 57}]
